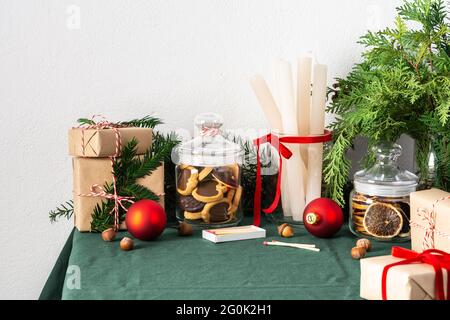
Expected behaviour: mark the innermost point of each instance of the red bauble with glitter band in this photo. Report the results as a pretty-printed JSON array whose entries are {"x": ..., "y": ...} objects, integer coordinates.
[
  {"x": 146, "y": 219},
  {"x": 323, "y": 218}
]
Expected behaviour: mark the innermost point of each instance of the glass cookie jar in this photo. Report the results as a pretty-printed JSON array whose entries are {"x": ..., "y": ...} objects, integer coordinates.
[
  {"x": 379, "y": 203},
  {"x": 208, "y": 176}
]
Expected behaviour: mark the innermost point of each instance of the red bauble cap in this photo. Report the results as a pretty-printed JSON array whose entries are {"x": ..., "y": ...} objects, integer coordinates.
[
  {"x": 323, "y": 217},
  {"x": 146, "y": 219}
]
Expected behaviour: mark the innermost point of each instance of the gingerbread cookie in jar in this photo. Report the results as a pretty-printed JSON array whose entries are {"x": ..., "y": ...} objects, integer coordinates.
[
  {"x": 379, "y": 203},
  {"x": 208, "y": 176}
]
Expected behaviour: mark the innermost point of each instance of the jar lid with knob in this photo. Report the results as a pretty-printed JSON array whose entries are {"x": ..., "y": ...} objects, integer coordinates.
[
  {"x": 385, "y": 178},
  {"x": 209, "y": 147}
]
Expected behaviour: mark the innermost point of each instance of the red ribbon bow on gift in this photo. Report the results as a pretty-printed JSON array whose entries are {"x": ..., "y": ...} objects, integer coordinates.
[
  {"x": 283, "y": 152},
  {"x": 436, "y": 258}
]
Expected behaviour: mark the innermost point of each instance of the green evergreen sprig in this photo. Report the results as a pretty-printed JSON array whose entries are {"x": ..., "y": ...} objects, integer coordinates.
[
  {"x": 145, "y": 122},
  {"x": 402, "y": 86},
  {"x": 248, "y": 176},
  {"x": 65, "y": 210},
  {"x": 128, "y": 169}
]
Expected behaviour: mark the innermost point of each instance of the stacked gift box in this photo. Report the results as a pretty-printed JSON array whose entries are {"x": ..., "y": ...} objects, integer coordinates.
[{"x": 93, "y": 149}]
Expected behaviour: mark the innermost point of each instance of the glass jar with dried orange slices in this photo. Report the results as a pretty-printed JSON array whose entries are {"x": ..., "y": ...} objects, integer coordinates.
[{"x": 379, "y": 203}]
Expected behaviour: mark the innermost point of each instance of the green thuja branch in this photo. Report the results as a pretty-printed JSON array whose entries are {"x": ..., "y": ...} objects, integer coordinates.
[{"x": 402, "y": 86}]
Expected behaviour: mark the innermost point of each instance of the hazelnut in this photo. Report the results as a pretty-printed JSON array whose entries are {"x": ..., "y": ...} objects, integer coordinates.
[
  {"x": 358, "y": 252},
  {"x": 109, "y": 234},
  {"x": 126, "y": 244},
  {"x": 184, "y": 229},
  {"x": 285, "y": 230},
  {"x": 365, "y": 243}
]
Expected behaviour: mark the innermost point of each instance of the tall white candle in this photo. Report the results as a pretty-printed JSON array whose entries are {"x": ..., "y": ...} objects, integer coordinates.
[
  {"x": 294, "y": 167},
  {"x": 304, "y": 101},
  {"x": 271, "y": 111},
  {"x": 317, "y": 125},
  {"x": 267, "y": 102}
]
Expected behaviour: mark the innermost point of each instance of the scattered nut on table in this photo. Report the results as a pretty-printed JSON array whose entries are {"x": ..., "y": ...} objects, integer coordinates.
[
  {"x": 285, "y": 230},
  {"x": 358, "y": 252},
  {"x": 185, "y": 229},
  {"x": 365, "y": 243},
  {"x": 109, "y": 234},
  {"x": 126, "y": 244}
]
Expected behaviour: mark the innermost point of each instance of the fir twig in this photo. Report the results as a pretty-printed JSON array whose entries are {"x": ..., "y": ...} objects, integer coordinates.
[
  {"x": 145, "y": 122},
  {"x": 65, "y": 210}
]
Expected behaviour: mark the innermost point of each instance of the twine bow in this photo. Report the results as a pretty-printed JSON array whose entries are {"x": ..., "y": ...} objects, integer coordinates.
[
  {"x": 97, "y": 190},
  {"x": 429, "y": 219},
  {"x": 436, "y": 258},
  {"x": 283, "y": 152}
]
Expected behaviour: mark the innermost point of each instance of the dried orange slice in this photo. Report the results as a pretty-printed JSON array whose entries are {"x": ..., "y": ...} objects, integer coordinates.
[{"x": 383, "y": 220}]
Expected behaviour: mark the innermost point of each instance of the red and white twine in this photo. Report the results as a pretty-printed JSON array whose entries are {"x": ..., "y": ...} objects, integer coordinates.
[
  {"x": 209, "y": 132},
  {"x": 429, "y": 219},
  {"x": 100, "y": 125},
  {"x": 97, "y": 190}
]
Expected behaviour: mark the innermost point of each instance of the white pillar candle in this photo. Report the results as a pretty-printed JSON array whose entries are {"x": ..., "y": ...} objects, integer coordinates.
[
  {"x": 271, "y": 111},
  {"x": 304, "y": 101},
  {"x": 317, "y": 125},
  {"x": 267, "y": 102},
  {"x": 294, "y": 167}
]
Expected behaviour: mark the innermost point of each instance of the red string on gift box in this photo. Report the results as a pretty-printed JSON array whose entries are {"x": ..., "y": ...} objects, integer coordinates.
[
  {"x": 283, "y": 152},
  {"x": 436, "y": 258},
  {"x": 429, "y": 218}
]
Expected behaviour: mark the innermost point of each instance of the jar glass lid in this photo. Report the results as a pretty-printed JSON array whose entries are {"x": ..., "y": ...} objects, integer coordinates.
[
  {"x": 385, "y": 178},
  {"x": 209, "y": 148}
]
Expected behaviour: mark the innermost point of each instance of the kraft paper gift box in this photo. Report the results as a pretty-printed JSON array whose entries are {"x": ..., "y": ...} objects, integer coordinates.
[
  {"x": 430, "y": 229},
  {"x": 89, "y": 171},
  {"x": 99, "y": 143},
  {"x": 405, "y": 282}
]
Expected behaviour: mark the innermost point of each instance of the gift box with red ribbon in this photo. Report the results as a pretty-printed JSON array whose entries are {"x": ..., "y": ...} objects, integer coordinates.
[{"x": 406, "y": 275}]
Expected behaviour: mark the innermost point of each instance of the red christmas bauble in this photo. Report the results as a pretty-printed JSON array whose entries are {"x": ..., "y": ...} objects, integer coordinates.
[
  {"x": 145, "y": 219},
  {"x": 323, "y": 217}
]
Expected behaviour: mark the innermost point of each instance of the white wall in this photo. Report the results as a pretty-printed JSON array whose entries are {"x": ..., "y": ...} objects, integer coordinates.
[{"x": 126, "y": 59}]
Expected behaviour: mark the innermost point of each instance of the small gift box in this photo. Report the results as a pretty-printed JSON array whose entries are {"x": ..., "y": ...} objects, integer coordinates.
[
  {"x": 406, "y": 275},
  {"x": 102, "y": 141},
  {"x": 430, "y": 220},
  {"x": 89, "y": 172}
]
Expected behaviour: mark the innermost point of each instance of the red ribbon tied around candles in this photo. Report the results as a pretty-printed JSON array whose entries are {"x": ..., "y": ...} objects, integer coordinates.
[
  {"x": 436, "y": 258},
  {"x": 283, "y": 152}
]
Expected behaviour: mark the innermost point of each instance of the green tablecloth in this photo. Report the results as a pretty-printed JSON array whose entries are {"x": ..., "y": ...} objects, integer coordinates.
[{"x": 193, "y": 268}]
